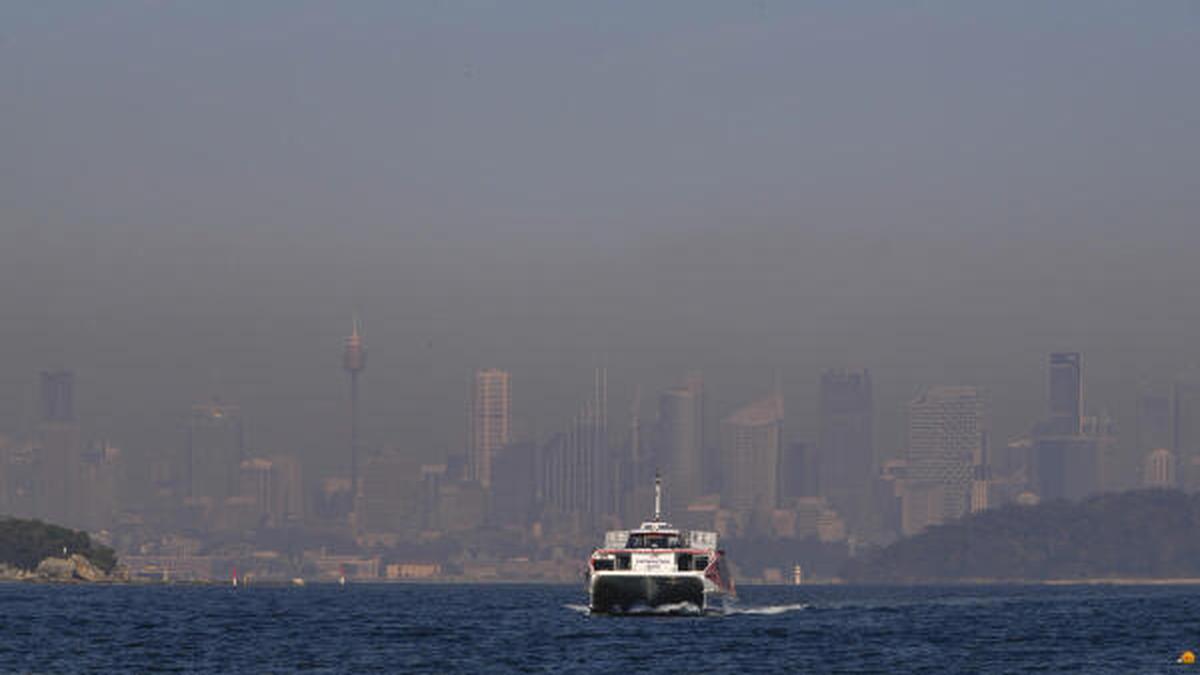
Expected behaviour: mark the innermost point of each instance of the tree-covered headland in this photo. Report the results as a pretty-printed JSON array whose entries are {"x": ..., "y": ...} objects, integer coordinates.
[
  {"x": 25, "y": 543},
  {"x": 1144, "y": 534}
]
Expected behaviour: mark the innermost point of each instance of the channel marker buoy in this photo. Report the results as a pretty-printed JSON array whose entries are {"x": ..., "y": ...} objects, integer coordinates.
[{"x": 1188, "y": 657}]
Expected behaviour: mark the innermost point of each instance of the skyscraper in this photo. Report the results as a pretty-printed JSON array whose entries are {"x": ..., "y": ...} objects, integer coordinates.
[
  {"x": 1154, "y": 428},
  {"x": 945, "y": 444},
  {"x": 215, "y": 450},
  {"x": 1185, "y": 437},
  {"x": 354, "y": 360},
  {"x": 797, "y": 476},
  {"x": 575, "y": 472},
  {"x": 1158, "y": 469},
  {"x": 1066, "y": 393},
  {"x": 751, "y": 449},
  {"x": 679, "y": 442},
  {"x": 847, "y": 452},
  {"x": 59, "y": 455},
  {"x": 58, "y": 396},
  {"x": 1067, "y": 461},
  {"x": 490, "y": 421}
]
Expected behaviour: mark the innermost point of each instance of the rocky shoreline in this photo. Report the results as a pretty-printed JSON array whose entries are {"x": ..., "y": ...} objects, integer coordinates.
[{"x": 71, "y": 569}]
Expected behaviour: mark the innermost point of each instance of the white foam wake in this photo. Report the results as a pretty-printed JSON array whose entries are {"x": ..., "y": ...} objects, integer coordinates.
[
  {"x": 687, "y": 608},
  {"x": 672, "y": 608},
  {"x": 678, "y": 608},
  {"x": 768, "y": 610}
]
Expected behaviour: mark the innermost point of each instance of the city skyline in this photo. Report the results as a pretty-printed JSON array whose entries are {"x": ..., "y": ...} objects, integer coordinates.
[{"x": 591, "y": 243}]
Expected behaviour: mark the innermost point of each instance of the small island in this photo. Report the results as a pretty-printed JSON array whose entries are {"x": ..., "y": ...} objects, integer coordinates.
[
  {"x": 1142, "y": 535},
  {"x": 31, "y": 550}
]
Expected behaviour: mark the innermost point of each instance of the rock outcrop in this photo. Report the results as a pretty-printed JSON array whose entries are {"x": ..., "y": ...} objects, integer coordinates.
[
  {"x": 74, "y": 568},
  {"x": 85, "y": 570},
  {"x": 56, "y": 569}
]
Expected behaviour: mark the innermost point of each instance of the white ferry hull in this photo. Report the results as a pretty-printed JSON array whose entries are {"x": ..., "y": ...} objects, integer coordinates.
[{"x": 625, "y": 593}]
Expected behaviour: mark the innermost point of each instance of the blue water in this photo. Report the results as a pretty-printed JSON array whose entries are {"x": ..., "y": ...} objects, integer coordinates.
[{"x": 423, "y": 628}]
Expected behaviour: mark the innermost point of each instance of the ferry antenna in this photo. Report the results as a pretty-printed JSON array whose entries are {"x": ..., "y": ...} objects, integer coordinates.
[{"x": 657, "y": 497}]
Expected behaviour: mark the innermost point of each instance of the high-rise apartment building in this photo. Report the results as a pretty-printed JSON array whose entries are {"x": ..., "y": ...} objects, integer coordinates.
[
  {"x": 846, "y": 468},
  {"x": 1066, "y": 393},
  {"x": 490, "y": 421},
  {"x": 751, "y": 450},
  {"x": 679, "y": 443},
  {"x": 946, "y": 428}
]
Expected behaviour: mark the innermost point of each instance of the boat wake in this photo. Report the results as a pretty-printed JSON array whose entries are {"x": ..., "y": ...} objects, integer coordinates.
[
  {"x": 689, "y": 609},
  {"x": 672, "y": 609},
  {"x": 767, "y": 610}
]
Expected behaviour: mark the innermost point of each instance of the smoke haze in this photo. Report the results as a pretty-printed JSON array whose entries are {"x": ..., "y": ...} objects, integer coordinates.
[{"x": 194, "y": 199}]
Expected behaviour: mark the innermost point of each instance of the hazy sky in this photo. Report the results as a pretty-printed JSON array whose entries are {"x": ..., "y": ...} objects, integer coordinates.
[{"x": 194, "y": 198}]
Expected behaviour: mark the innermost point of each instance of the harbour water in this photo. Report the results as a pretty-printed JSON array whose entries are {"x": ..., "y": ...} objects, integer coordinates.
[{"x": 531, "y": 628}]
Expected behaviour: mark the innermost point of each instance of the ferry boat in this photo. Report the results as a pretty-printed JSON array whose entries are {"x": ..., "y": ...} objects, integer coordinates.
[{"x": 657, "y": 567}]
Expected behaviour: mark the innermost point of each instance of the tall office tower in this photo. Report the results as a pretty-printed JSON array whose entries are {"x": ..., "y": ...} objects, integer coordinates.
[
  {"x": 215, "y": 449},
  {"x": 272, "y": 486},
  {"x": 511, "y": 500},
  {"x": 751, "y": 448},
  {"x": 58, "y": 457},
  {"x": 1068, "y": 459},
  {"x": 797, "y": 477},
  {"x": 58, "y": 396},
  {"x": 679, "y": 443},
  {"x": 1158, "y": 469},
  {"x": 1185, "y": 437},
  {"x": 391, "y": 499},
  {"x": 1066, "y": 393},
  {"x": 576, "y": 477},
  {"x": 354, "y": 360},
  {"x": 1154, "y": 428},
  {"x": 490, "y": 421},
  {"x": 846, "y": 468},
  {"x": 945, "y": 445},
  {"x": 98, "y": 486}
]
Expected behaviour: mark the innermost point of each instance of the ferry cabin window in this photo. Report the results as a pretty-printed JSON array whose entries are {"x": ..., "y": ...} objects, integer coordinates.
[{"x": 653, "y": 540}]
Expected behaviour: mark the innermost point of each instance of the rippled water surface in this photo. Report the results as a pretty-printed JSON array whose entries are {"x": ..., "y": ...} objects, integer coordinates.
[{"x": 415, "y": 628}]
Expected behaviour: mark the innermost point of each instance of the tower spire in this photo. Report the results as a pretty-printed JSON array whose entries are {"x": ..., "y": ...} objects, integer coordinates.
[{"x": 354, "y": 360}]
